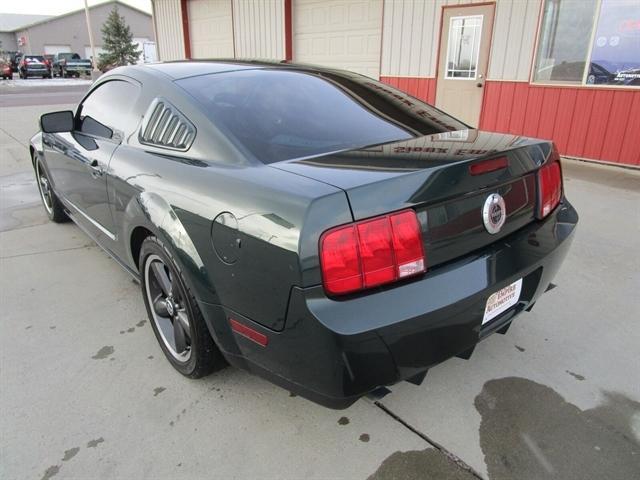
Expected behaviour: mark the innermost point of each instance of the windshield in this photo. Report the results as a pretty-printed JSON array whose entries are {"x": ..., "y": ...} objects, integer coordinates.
[{"x": 284, "y": 114}]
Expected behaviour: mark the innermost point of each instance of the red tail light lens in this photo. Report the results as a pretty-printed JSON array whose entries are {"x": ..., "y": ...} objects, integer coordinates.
[
  {"x": 341, "y": 260},
  {"x": 407, "y": 244},
  {"x": 550, "y": 188},
  {"x": 371, "y": 252}
]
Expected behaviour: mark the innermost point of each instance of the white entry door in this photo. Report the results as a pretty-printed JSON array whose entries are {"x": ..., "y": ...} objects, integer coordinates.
[{"x": 465, "y": 41}]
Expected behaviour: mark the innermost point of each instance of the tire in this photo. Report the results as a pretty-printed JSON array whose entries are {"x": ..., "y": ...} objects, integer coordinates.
[
  {"x": 200, "y": 355},
  {"x": 52, "y": 205}
]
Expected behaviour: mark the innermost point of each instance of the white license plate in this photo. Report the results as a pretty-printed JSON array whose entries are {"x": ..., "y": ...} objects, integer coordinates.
[{"x": 502, "y": 300}]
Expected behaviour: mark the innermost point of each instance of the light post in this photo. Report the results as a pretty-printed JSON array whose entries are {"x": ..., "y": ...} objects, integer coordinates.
[{"x": 95, "y": 73}]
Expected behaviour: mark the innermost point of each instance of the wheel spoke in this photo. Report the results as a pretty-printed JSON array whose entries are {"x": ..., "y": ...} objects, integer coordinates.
[
  {"x": 183, "y": 318},
  {"x": 162, "y": 278},
  {"x": 179, "y": 336}
]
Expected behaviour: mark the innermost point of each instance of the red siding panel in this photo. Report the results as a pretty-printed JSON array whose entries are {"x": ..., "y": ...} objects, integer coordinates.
[
  {"x": 520, "y": 98},
  {"x": 490, "y": 102},
  {"x": 532, "y": 112},
  {"x": 505, "y": 106},
  {"x": 630, "y": 151},
  {"x": 601, "y": 124},
  {"x": 548, "y": 113},
  {"x": 580, "y": 122},
  {"x": 422, "y": 88},
  {"x": 598, "y": 124},
  {"x": 564, "y": 117},
  {"x": 617, "y": 126}
]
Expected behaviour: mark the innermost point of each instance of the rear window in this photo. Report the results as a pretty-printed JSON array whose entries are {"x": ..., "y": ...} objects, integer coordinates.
[{"x": 284, "y": 114}]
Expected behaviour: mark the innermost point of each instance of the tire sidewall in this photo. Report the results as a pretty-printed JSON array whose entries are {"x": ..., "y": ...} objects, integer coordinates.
[
  {"x": 153, "y": 246},
  {"x": 57, "y": 213}
]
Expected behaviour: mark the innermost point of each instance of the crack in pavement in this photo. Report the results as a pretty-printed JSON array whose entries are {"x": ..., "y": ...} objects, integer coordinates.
[
  {"x": 450, "y": 455},
  {"x": 11, "y": 136},
  {"x": 89, "y": 245}
]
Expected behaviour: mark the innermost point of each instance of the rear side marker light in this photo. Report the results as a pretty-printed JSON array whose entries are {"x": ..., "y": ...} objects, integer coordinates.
[
  {"x": 486, "y": 166},
  {"x": 549, "y": 188},
  {"x": 371, "y": 252},
  {"x": 248, "y": 332}
]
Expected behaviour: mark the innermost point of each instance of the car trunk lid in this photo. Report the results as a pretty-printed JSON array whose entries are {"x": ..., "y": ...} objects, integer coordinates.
[{"x": 432, "y": 175}]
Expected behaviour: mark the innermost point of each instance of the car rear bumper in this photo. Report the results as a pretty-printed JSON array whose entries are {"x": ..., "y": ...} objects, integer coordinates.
[
  {"x": 335, "y": 351},
  {"x": 77, "y": 69},
  {"x": 37, "y": 73}
]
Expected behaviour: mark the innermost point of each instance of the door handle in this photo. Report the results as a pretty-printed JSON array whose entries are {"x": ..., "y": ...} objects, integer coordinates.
[{"x": 96, "y": 168}]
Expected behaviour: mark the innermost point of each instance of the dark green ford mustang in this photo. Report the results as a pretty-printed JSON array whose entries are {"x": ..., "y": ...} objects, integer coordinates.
[{"x": 314, "y": 226}]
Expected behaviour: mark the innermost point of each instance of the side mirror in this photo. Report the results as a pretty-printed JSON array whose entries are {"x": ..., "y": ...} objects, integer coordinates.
[{"x": 56, "y": 122}]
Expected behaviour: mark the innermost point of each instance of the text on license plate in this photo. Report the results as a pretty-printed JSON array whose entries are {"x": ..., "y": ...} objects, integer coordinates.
[{"x": 502, "y": 300}]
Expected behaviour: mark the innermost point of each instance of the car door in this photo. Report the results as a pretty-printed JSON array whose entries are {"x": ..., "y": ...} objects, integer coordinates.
[{"x": 78, "y": 161}]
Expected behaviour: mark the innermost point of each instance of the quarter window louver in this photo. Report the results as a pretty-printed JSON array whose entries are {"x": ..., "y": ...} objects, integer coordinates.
[{"x": 164, "y": 126}]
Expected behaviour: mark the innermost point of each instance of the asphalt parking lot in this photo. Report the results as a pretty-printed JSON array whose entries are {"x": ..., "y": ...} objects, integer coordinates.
[{"x": 85, "y": 391}]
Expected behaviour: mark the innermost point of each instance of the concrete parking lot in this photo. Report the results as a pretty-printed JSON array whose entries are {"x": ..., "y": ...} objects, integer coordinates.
[{"x": 85, "y": 391}]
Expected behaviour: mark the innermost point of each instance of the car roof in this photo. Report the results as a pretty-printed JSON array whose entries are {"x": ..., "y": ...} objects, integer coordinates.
[{"x": 177, "y": 70}]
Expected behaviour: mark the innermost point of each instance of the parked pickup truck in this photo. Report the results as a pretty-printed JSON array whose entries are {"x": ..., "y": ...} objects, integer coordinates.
[{"x": 70, "y": 65}]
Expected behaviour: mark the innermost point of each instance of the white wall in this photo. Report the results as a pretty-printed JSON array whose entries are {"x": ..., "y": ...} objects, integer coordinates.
[{"x": 168, "y": 25}]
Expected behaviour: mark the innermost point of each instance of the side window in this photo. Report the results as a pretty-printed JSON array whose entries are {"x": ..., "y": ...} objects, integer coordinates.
[{"x": 107, "y": 108}]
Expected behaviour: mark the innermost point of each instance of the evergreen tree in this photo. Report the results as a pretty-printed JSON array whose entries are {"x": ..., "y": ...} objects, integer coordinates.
[{"x": 117, "y": 41}]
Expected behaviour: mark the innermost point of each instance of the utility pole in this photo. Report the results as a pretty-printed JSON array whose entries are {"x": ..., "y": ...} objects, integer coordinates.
[{"x": 95, "y": 73}]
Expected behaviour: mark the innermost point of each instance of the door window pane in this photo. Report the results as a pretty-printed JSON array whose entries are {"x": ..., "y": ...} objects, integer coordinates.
[
  {"x": 109, "y": 107},
  {"x": 565, "y": 35},
  {"x": 463, "y": 47},
  {"x": 615, "y": 57}
]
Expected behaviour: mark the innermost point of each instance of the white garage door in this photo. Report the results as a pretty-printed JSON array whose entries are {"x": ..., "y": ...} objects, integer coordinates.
[
  {"x": 210, "y": 28},
  {"x": 339, "y": 33},
  {"x": 53, "y": 49}
]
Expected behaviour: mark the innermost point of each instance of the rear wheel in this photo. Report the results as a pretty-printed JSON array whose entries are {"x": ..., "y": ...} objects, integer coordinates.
[
  {"x": 174, "y": 314},
  {"x": 52, "y": 206}
]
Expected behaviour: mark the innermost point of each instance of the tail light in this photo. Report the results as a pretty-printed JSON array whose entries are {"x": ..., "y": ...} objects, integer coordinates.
[
  {"x": 549, "y": 186},
  {"x": 371, "y": 252}
]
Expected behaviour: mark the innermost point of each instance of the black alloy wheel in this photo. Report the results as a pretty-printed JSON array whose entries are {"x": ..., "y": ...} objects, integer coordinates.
[
  {"x": 174, "y": 314},
  {"x": 52, "y": 206}
]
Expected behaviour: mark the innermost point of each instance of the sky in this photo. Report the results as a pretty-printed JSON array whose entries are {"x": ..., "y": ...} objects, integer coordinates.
[{"x": 57, "y": 7}]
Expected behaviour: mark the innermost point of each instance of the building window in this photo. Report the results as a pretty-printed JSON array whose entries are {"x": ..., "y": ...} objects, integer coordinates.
[
  {"x": 592, "y": 42},
  {"x": 464, "y": 47},
  {"x": 615, "y": 55}
]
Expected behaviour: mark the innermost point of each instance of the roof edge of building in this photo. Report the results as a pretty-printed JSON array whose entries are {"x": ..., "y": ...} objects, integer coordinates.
[{"x": 56, "y": 17}]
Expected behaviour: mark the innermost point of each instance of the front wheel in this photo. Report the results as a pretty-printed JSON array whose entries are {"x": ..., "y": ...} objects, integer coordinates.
[
  {"x": 174, "y": 314},
  {"x": 52, "y": 206}
]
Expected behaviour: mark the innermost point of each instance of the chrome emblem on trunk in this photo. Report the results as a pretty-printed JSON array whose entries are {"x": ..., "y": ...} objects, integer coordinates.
[{"x": 494, "y": 213}]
